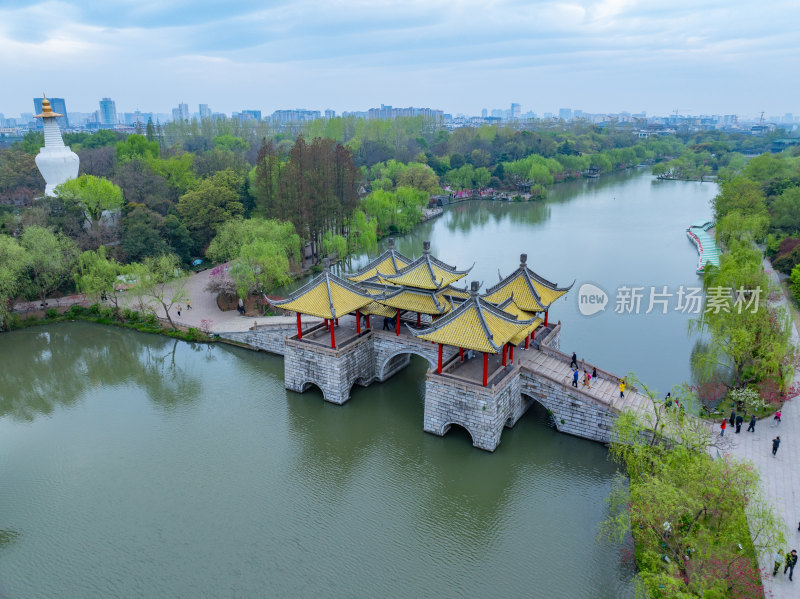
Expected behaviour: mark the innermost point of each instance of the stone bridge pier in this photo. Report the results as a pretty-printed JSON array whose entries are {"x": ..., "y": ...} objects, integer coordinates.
[{"x": 334, "y": 371}]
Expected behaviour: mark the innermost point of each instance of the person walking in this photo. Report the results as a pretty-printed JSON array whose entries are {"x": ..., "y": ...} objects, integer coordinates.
[
  {"x": 385, "y": 323},
  {"x": 179, "y": 310},
  {"x": 188, "y": 305},
  {"x": 575, "y": 377},
  {"x": 594, "y": 373},
  {"x": 791, "y": 561},
  {"x": 621, "y": 388},
  {"x": 777, "y": 417},
  {"x": 778, "y": 561},
  {"x": 739, "y": 420},
  {"x": 722, "y": 428},
  {"x": 586, "y": 379},
  {"x": 732, "y": 419},
  {"x": 776, "y": 442},
  {"x": 752, "y": 427},
  {"x": 574, "y": 363}
]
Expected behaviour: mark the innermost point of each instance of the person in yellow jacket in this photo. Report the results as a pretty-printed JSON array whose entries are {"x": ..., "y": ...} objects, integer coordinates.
[{"x": 621, "y": 388}]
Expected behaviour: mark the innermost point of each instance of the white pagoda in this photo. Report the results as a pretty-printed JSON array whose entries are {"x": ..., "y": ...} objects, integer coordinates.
[{"x": 56, "y": 162}]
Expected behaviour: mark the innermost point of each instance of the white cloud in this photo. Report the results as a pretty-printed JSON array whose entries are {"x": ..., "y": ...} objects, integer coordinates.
[{"x": 350, "y": 54}]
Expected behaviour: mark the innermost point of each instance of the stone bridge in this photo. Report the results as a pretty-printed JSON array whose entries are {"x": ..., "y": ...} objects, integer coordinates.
[{"x": 541, "y": 373}]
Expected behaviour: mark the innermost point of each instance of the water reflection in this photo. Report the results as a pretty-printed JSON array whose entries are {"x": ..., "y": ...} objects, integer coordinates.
[{"x": 43, "y": 369}]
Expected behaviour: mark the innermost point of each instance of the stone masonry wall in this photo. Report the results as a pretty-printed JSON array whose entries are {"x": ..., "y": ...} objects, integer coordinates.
[
  {"x": 388, "y": 346},
  {"x": 573, "y": 412},
  {"x": 269, "y": 338},
  {"x": 482, "y": 411},
  {"x": 334, "y": 371}
]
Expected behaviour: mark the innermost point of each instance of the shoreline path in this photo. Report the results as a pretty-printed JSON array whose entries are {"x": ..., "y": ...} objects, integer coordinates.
[{"x": 780, "y": 475}]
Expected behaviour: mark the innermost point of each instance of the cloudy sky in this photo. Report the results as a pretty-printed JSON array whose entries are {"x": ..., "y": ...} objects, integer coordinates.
[{"x": 694, "y": 56}]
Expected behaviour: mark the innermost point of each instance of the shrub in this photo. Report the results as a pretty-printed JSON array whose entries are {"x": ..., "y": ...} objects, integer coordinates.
[
  {"x": 107, "y": 313},
  {"x": 75, "y": 311},
  {"x": 51, "y": 313},
  {"x": 749, "y": 399},
  {"x": 192, "y": 334},
  {"x": 94, "y": 309},
  {"x": 130, "y": 315},
  {"x": 151, "y": 320}
]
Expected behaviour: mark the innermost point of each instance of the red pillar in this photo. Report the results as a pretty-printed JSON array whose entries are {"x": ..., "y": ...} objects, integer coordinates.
[
  {"x": 505, "y": 352},
  {"x": 299, "y": 327},
  {"x": 368, "y": 323},
  {"x": 326, "y": 323},
  {"x": 358, "y": 322},
  {"x": 419, "y": 319},
  {"x": 527, "y": 341},
  {"x": 333, "y": 336},
  {"x": 439, "y": 367},
  {"x": 337, "y": 322},
  {"x": 485, "y": 368},
  {"x": 397, "y": 328},
  {"x": 461, "y": 353},
  {"x": 533, "y": 335},
  {"x": 545, "y": 317},
  {"x": 511, "y": 354}
]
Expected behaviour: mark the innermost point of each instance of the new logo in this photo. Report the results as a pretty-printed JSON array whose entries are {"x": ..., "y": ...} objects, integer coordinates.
[{"x": 591, "y": 299}]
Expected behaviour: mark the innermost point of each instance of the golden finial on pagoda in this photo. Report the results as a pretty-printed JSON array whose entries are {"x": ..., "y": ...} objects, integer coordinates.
[{"x": 47, "y": 110}]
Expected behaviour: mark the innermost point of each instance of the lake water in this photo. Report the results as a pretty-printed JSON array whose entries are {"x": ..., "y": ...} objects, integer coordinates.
[{"x": 138, "y": 466}]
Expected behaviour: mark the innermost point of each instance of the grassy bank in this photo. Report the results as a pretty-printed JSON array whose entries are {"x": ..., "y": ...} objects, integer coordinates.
[{"x": 125, "y": 318}]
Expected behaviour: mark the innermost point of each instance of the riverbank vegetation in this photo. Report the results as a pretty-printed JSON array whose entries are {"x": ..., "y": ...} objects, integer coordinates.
[
  {"x": 698, "y": 524},
  {"x": 145, "y": 322},
  {"x": 330, "y": 188},
  {"x": 749, "y": 338}
]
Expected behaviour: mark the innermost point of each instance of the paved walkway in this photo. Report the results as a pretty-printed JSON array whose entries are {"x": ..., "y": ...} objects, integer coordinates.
[{"x": 780, "y": 475}]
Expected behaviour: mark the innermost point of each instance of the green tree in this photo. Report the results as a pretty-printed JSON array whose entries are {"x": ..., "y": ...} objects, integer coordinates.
[
  {"x": 211, "y": 203},
  {"x": 686, "y": 512},
  {"x": 96, "y": 275},
  {"x": 230, "y": 143},
  {"x": 786, "y": 211},
  {"x": 419, "y": 176},
  {"x": 51, "y": 257},
  {"x": 13, "y": 264},
  {"x": 234, "y": 234},
  {"x": 261, "y": 266},
  {"x": 94, "y": 194},
  {"x": 159, "y": 280},
  {"x": 136, "y": 146}
]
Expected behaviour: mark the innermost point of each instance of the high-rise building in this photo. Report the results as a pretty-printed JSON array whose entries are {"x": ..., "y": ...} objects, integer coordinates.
[
  {"x": 108, "y": 112},
  {"x": 565, "y": 114},
  {"x": 205, "y": 111},
  {"x": 58, "y": 105},
  {"x": 330, "y": 114},
  {"x": 484, "y": 113},
  {"x": 516, "y": 111},
  {"x": 251, "y": 114},
  {"x": 181, "y": 113}
]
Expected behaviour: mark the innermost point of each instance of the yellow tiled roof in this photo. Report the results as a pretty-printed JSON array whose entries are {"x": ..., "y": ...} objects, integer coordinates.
[
  {"x": 426, "y": 272},
  {"x": 518, "y": 287},
  {"x": 456, "y": 292},
  {"x": 520, "y": 337},
  {"x": 476, "y": 324},
  {"x": 424, "y": 302},
  {"x": 530, "y": 291},
  {"x": 377, "y": 309},
  {"x": 388, "y": 262},
  {"x": 326, "y": 296}
]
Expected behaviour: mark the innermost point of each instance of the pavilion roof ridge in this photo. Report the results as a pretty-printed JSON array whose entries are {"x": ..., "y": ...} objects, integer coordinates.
[
  {"x": 519, "y": 272},
  {"x": 480, "y": 306},
  {"x": 375, "y": 262},
  {"x": 540, "y": 279}
]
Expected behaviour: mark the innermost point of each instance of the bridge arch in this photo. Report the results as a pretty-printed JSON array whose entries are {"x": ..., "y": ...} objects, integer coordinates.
[
  {"x": 448, "y": 425},
  {"x": 552, "y": 409},
  {"x": 393, "y": 361}
]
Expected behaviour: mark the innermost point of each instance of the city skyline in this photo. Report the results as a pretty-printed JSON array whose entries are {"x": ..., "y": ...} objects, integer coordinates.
[{"x": 600, "y": 56}]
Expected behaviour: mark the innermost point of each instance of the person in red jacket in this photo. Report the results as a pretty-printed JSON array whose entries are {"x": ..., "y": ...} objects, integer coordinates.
[{"x": 722, "y": 428}]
